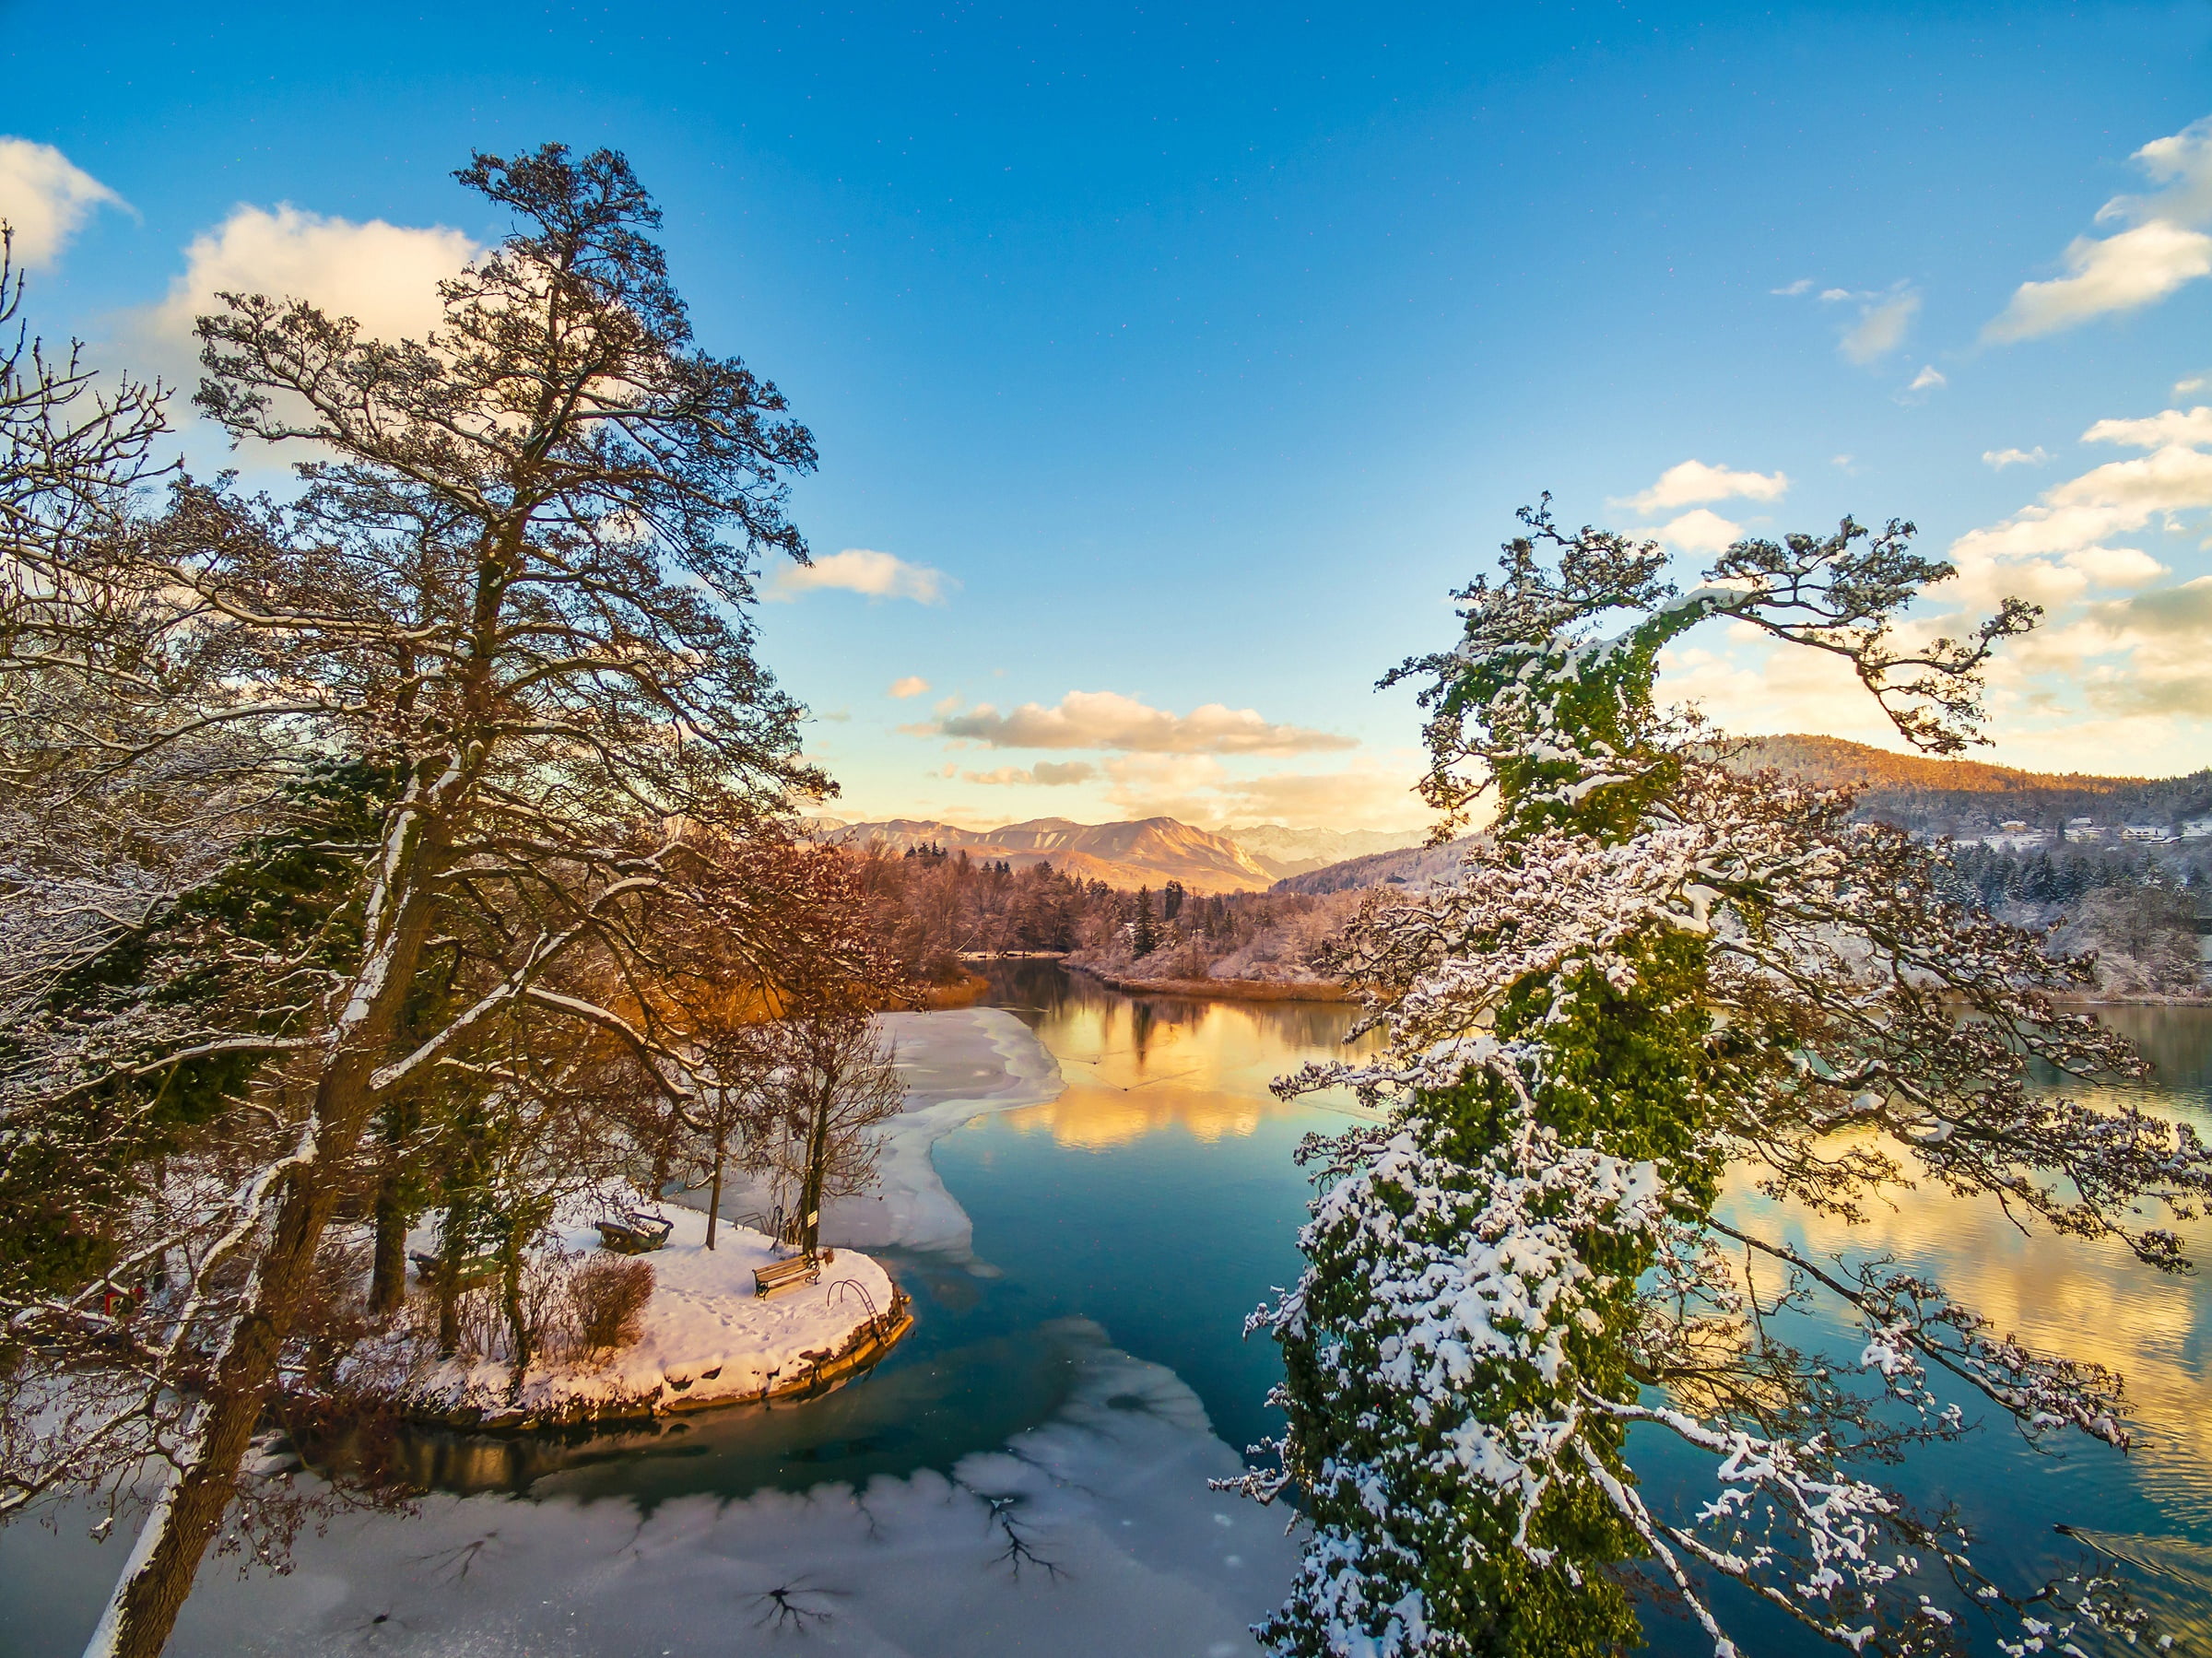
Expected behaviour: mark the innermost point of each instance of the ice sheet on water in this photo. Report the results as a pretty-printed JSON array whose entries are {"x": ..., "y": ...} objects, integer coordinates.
[
  {"x": 1093, "y": 1533},
  {"x": 957, "y": 1066}
]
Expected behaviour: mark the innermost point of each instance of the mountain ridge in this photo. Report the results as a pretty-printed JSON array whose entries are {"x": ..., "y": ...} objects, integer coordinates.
[{"x": 1146, "y": 852}]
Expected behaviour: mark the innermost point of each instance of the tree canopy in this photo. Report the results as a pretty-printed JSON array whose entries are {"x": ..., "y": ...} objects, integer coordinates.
[{"x": 1658, "y": 974}]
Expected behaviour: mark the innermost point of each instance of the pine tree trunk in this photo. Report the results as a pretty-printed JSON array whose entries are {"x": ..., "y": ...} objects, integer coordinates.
[
  {"x": 146, "y": 1602},
  {"x": 142, "y": 1609},
  {"x": 388, "y": 1280},
  {"x": 519, "y": 1344}
]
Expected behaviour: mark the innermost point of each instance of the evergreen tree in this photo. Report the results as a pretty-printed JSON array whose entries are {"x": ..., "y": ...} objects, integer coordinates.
[
  {"x": 1659, "y": 971},
  {"x": 1144, "y": 935}
]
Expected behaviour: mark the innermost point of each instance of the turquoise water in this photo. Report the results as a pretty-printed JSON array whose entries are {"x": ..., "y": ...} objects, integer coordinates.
[{"x": 1157, "y": 1197}]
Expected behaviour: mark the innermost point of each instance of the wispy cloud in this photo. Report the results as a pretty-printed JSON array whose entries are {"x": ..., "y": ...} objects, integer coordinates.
[
  {"x": 45, "y": 199},
  {"x": 1804, "y": 285},
  {"x": 913, "y": 685},
  {"x": 2164, "y": 248},
  {"x": 866, "y": 571},
  {"x": 1884, "y": 322},
  {"x": 1107, "y": 719},
  {"x": 1927, "y": 380},
  {"x": 2001, "y": 458}
]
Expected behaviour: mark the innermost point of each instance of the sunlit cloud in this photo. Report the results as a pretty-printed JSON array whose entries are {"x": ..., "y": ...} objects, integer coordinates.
[
  {"x": 2165, "y": 247},
  {"x": 1199, "y": 789},
  {"x": 1110, "y": 720},
  {"x": 1700, "y": 531},
  {"x": 384, "y": 277},
  {"x": 2116, "y": 678},
  {"x": 866, "y": 571},
  {"x": 913, "y": 685},
  {"x": 45, "y": 199},
  {"x": 1692, "y": 482}
]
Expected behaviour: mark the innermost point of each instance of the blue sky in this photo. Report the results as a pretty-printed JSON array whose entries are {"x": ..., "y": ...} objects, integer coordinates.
[{"x": 1175, "y": 363}]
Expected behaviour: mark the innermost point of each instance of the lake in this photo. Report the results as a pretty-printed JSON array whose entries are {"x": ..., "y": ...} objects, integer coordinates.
[{"x": 1050, "y": 1399}]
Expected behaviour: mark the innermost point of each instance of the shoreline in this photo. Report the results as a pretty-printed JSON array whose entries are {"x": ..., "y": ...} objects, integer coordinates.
[
  {"x": 704, "y": 1338},
  {"x": 1225, "y": 990}
]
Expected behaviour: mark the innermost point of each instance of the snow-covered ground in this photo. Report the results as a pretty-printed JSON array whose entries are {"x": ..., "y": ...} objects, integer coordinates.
[
  {"x": 707, "y": 1339},
  {"x": 957, "y": 1066},
  {"x": 1091, "y": 1533}
]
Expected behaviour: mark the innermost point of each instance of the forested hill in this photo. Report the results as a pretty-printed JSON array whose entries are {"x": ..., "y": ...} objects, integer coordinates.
[
  {"x": 1918, "y": 792},
  {"x": 1963, "y": 797}
]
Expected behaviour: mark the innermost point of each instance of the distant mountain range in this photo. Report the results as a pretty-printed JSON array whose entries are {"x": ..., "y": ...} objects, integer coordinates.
[
  {"x": 1963, "y": 797},
  {"x": 1283, "y": 851},
  {"x": 1149, "y": 852}
]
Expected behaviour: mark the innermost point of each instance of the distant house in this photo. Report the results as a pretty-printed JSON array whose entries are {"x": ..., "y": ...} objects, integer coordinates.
[
  {"x": 2012, "y": 826},
  {"x": 2196, "y": 828},
  {"x": 2083, "y": 828},
  {"x": 2141, "y": 831}
]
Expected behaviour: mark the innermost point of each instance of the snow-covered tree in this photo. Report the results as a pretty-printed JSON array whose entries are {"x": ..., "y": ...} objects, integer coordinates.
[
  {"x": 512, "y": 582},
  {"x": 1655, "y": 973}
]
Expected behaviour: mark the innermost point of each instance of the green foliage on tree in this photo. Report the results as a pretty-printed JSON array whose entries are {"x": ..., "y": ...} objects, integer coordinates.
[{"x": 1653, "y": 971}]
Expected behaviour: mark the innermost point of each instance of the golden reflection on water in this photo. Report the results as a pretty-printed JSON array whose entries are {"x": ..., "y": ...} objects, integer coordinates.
[
  {"x": 2091, "y": 1299},
  {"x": 1137, "y": 1065}
]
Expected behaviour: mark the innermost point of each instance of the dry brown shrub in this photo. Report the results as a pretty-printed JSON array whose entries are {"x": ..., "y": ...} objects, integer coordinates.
[{"x": 607, "y": 1296}]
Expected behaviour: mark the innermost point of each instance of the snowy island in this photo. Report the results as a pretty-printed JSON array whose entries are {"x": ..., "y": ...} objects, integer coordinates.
[{"x": 703, "y": 1334}]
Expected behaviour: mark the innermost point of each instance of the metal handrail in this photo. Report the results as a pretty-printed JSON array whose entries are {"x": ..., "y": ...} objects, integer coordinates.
[{"x": 868, "y": 1301}]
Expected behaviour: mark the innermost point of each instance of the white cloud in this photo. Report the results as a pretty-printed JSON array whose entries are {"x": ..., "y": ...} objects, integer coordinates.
[
  {"x": 913, "y": 685},
  {"x": 1927, "y": 380},
  {"x": 1198, "y": 789},
  {"x": 2164, "y": 249},
  {"x": 2001, "y": 458},
  {"x": 864, "y": 571},
  {"x": 1803, "y": 285},
  {"x": 2134, "y": 268},
  {"x": 1752, "y": 689},
  {"x": 1693, "y": 481},
  {"x": 1884, "y": 320},
  {"x": 2193, "y": 428},
  {"x": 1700, "y": 531},
  {"x": 45, "y": 198},
  {"x": 2194, "y": 382},
  {"x": 384, "y": 277},
  {"x": 1830, "y": 295},
  {"x": 2117, "y": 678},
  {"x": 1108, "y": 720}
]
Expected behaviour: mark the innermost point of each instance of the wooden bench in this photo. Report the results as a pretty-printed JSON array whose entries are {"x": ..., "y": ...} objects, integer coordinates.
[
  {"x": 636, "y": 1233},
  {"x": 468, "y": 1271},
  {"x": 786, "y": 1274}
]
